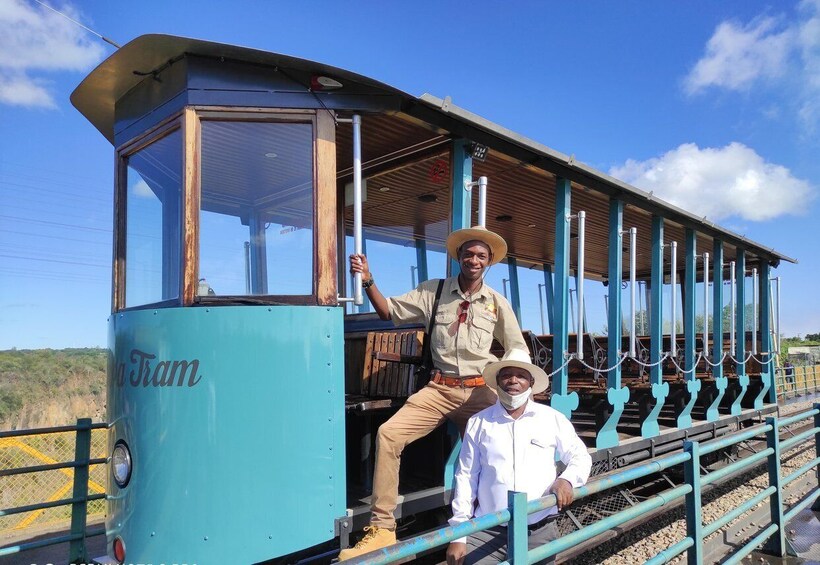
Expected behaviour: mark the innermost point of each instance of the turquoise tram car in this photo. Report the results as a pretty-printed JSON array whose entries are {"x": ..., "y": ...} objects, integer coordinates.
[{"x": 246, "y": 376}]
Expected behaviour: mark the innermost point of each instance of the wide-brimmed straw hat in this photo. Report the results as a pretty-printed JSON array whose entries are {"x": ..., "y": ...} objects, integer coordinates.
[
  {"x": 495, "y": 242},
  {"x": 521, "y": 359}
]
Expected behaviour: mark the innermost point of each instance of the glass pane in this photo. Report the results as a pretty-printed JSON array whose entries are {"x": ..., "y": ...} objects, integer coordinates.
[
  {"x": 152, "y": 234},
  {"x": 256, "y": 219}
]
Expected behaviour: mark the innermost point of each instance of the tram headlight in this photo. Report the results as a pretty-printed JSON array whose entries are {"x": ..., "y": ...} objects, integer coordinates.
[{"x": 121, "y": 464}]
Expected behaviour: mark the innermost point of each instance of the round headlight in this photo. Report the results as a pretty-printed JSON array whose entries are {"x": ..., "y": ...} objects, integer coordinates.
[{"x": 121, "y": 464}]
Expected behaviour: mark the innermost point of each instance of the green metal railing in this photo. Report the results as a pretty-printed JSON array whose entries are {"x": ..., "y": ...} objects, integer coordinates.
[
  {"x": 792, "y": 382},
  {"x": 772, "y": 534},
  {"x": 79, "y": 500}
]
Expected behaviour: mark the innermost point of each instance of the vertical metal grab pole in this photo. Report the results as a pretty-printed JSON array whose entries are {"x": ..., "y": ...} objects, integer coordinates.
[
  {"x": 482, "y": 201},
  {"x": 673, "y": 351},
  {"x": 358, "y": 299},
  {"x": 705, "y": 305},
  {"x": 633, "y": 238},
  {"x": 732, "y": 311},
  {"x": 580, "y": 284},
  {"x": 754, "y": 311}
]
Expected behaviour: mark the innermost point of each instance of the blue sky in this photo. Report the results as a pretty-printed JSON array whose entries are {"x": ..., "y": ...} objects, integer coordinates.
[{"x": 715, "y": 106}]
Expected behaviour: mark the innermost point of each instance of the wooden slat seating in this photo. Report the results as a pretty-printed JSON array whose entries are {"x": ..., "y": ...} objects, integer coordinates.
[{"x": 391, "y": 358}]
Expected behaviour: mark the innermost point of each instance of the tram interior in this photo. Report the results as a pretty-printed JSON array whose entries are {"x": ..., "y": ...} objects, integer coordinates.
[{"x": 408, "y": 173}]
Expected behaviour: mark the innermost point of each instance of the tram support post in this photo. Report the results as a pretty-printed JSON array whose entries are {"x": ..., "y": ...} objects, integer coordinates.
[
  {"x": 694, "y": 522},
  {"x": 689, "y": 362},
  {"x": 561, "y": 401},
  {"x": 461, "y": 177},
  {"x": 550, "y": 296},
  {"x": 769, "y": 392},
  {"x": 721, "y": 382},
  {"x": 617, "y": 396},
  {"x": 515, "y": 293},
  {"x": 660, "y": 389},
  {"x": 776, "y": 544},
  {"x": 740, "y": 329},
  {"x": 421, "y": 260}
]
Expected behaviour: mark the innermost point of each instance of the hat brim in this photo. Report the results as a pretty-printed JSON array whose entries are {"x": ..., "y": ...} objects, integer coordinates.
[
  {"x": 541, "y": 379},
  {"x": 496, "y": 243}
]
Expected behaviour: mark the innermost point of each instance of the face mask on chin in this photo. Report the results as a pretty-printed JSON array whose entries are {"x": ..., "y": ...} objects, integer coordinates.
[{"x": 511, "y": 402}]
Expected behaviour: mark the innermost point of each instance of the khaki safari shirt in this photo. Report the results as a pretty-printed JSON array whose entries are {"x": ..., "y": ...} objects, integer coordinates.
[{"x": 460, "y": 349}]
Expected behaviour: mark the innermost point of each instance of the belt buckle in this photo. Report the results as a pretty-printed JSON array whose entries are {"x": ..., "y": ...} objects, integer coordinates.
[{"x": 461, "y": 382}]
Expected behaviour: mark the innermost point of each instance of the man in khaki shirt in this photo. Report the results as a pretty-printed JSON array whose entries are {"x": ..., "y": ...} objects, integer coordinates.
[{"x": 469, "y": 315}]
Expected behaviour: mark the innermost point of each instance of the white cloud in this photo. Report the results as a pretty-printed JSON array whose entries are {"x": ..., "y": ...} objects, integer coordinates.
[
  {"x": 142, "y": 190},
  {"x": 720, "y": 182},
  {"x": 743, "y": 57},
  {"x": 17, "y": 89},
  {"x": 34, "y": 39},
  {"x": 736, "y": 56}
]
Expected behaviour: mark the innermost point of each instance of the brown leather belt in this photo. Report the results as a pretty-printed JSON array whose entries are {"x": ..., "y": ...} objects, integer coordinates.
[{"x": 470, "y": 381}]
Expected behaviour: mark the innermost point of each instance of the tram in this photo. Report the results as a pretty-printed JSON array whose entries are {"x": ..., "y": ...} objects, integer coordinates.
[{"x": 246, "y": 376}]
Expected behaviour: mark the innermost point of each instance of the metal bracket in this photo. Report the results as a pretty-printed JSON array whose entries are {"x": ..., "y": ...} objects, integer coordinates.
[{"x": 342, "y": 527}]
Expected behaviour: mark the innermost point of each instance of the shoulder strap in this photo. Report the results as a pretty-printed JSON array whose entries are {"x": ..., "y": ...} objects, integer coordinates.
[{"x": 426, "y": 354}]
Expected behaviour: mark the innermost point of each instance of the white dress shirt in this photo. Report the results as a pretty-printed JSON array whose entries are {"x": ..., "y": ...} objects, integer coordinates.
[{"x": 499, "y": 454}]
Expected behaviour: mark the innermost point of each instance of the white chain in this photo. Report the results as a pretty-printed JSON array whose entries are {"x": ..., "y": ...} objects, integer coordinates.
[
  {"x": 722, "y": 359},
  {"x": 663, "y": 358},
  {"x": 618, "y": 364},
  {"x": 741, "y": 362},
  {"x": 695, "y": 366},
  {"x": 559, "y": 369}
]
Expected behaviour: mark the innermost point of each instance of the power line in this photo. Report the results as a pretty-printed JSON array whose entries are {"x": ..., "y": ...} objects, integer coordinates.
[{"x": 78, "y": 23}]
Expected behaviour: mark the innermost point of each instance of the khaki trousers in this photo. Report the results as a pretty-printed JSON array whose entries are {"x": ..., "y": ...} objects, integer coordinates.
[{"x": 422, "y": 413}]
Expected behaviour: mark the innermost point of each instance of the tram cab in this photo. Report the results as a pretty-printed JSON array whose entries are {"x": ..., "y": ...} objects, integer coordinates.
[{"x": 241, "y": 413}]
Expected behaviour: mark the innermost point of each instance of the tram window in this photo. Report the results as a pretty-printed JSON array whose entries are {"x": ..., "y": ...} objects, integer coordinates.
[
  {"x": 257, "y": 207},
  {"x": 152, "y": 229}
]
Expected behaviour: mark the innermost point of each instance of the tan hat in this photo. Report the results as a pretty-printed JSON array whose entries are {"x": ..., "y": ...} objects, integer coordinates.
[
  {"x": 521, "y": 359},
  {"x": 495, "y": 242}
]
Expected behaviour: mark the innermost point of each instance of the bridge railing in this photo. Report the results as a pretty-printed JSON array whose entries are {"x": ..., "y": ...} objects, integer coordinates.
[
  {"x": 797, "y": 381},
  {"x": 78, "y": 483},
  {"x": 772, "y": 534}
]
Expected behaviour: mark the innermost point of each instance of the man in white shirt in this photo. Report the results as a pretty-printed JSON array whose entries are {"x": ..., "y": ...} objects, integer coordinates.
[{"x": 511, "y": 446}]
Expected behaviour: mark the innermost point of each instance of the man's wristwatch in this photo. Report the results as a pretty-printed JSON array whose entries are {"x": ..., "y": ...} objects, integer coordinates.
[{"x": 368, "y": 283}]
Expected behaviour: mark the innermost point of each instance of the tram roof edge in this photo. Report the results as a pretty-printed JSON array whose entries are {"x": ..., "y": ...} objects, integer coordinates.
[
  {"x": 97, "y": 94},
  {"x": 647, "y": 199},
  {"x": 95, "y": 97}
]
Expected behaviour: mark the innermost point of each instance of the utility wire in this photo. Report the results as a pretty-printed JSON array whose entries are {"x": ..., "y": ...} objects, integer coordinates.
[{"x": 109, "y": 41}]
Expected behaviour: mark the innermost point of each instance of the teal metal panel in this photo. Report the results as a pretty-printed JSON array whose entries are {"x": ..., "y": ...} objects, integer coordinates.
[
  {"x": 421, "y": 260},
  {"x": 550, "y": 295},
  {"x": 236, "y": 427},
  {"x": 561, "y": 401},
  {"x": 461, "y": 202},
  {"x": 692, "y": 383},
  {"x": 765, "y": 354},
  {"x": 721, "y": 382},
  {"x": 617, "y": 396},
  {"x": 740, "y": 329},
  {"x": 660, "y": 389},
  {"x": 515, "y": 292}
]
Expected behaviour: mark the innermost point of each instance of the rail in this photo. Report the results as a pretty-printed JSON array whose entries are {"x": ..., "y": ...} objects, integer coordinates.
[
  {"x": 79, "y": 469},
  {"x": 515, "y": 515},
  {"x": 797, "y": 381}
]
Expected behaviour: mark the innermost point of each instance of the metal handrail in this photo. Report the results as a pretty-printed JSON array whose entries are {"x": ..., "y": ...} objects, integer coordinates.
[{"x": 696, "y": 530}]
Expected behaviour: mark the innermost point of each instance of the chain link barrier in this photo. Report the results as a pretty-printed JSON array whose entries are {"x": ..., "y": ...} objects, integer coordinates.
[
  {"x": 46, "y": 486},
  {"x": 623, "y": 358}
]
